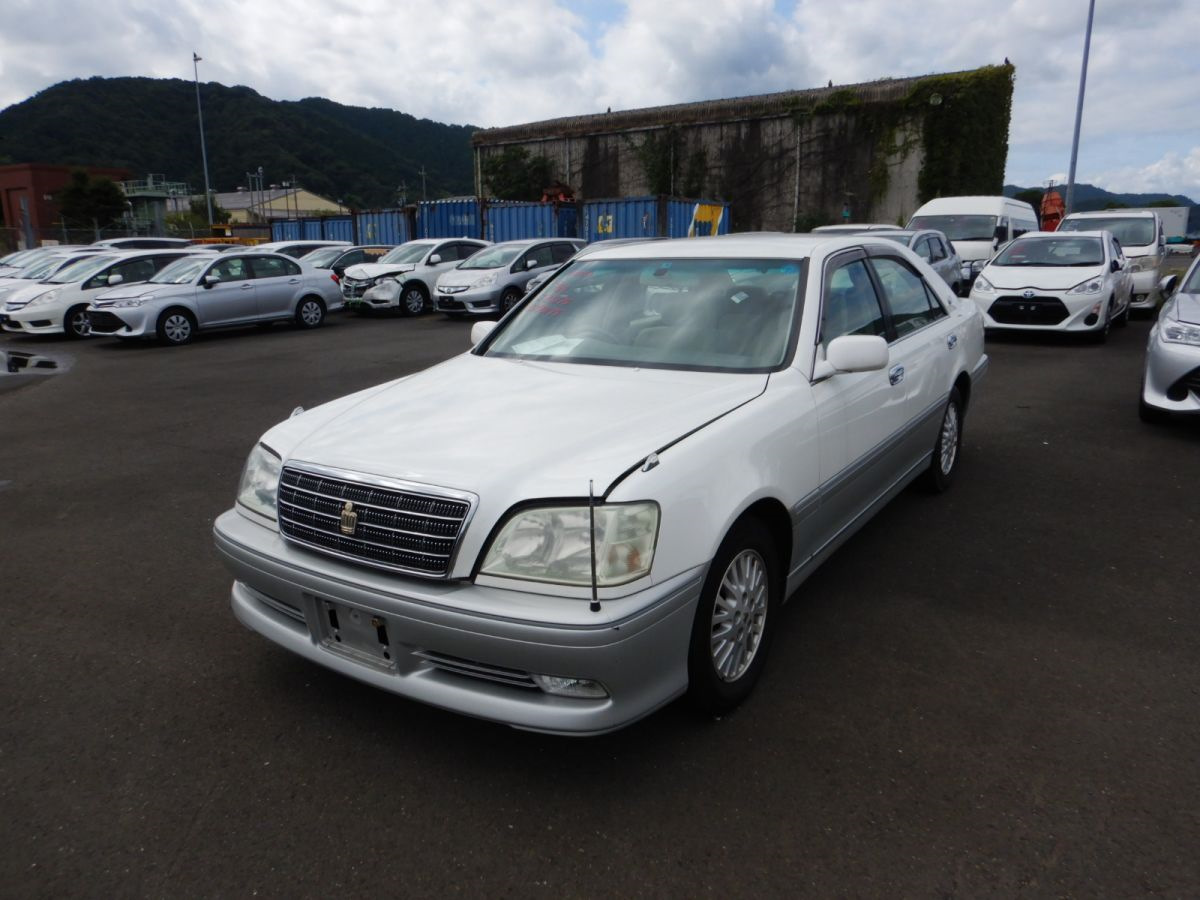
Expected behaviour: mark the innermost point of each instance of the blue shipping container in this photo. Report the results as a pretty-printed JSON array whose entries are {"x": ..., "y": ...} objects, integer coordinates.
[
  {"x": 449, "y": 218},
  {"x": 312, "y": 230},
  {"x": 627, "y": 217},
  {"x": 337, "y": 228},
  {"x": 518, "y": 221},
  {"x": 285, "y": 230},
  {"x": 696, "y": 218},
  {"x": 384, "y": 226}
]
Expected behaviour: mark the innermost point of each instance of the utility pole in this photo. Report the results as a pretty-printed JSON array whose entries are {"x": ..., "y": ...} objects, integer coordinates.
[
  {"x": 423, "y": 197},
  {"x": 203, "y": 151},
  {"x": 1087, "y": 43}
]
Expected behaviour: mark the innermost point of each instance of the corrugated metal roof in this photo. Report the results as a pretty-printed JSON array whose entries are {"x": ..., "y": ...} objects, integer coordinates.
[{"x": 761, "y": 106}]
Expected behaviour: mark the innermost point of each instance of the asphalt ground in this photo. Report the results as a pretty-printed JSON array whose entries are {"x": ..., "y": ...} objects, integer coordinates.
[{"x": 989, "y": 693}]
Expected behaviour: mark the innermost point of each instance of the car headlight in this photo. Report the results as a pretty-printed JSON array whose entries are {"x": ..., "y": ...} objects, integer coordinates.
[
  {"x": 485, "y": 280},
  {"x": 982, "y": 286},
  {"x": 260, "y": 481},
  {"x": 47, "y": 297},
  {"x": 1091, "y": 286},
  {"x": 553, "y": 544},
  {"x": 1176, "y": 332},
  {"x": 1139, "y": 265},
  {"x": 130, "y": 302}
]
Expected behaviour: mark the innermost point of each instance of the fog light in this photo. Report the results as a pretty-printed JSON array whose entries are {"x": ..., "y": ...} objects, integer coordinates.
[{"x": 570, "y": 687}]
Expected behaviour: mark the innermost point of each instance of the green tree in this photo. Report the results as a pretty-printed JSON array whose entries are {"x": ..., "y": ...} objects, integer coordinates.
[
  {"x": 1161, "y": 203},
  {"x": 515, "y": 175},
  {"x": 86, "y": 200},
  {"x": 195, "y": 220}
]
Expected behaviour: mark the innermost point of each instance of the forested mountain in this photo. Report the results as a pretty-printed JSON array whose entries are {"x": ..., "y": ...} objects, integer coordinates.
[{"x": 145, "y": 125}]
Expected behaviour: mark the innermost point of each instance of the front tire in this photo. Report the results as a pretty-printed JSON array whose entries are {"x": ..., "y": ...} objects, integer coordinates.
[
  {"x": 413, "y": 300},
  {"x": 76, "y": 324},
  {"x": 948, "y": 447},
  {"x": 510, "y": 298},
  {"x": 310, "y": 312},
  {"x": 735, "y": 619},
  {"x": 176, "y": 327}
]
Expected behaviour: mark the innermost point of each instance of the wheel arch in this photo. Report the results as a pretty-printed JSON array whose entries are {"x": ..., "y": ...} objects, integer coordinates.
[
  {"x": 773, "y": 515},
  {"x": 963, "y": 384}
]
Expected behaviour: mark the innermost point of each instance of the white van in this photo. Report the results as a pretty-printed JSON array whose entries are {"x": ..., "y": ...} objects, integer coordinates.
[
  {"x": 976, "y": 226},
  {"x": 1141, "y": 236}
]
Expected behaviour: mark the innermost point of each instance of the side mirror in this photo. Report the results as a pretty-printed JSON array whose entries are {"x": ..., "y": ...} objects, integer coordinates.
[
  {"x": 115, "y": 279},
  {"x": 853, "y": 353},
  {"x": 435, "y": 259},
  {"x": 1116, "y": 265},
  {"x": 480, "y": 330},
  {"x": 531, "y": 263},
  {"x": 1166, "y": 287},
  {"x": 210, "y": 280}
]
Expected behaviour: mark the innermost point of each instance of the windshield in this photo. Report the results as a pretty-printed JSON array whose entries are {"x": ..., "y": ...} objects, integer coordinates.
[
  {"x": 1052, "y": 252},
  {"x": 43, "y": 268},
  {"x": 182, "y": 270},
  {"x": 14, "y": 258},
  {"x": 493, "y": 257},
  {"x": 81, "y": 270},
  {"x": 1130, "y": 231},
  {"x": 1192, "y": 285},
  {"x": 324, "y": 257},
  {"x": 407, "y": 253},
  {"x": 727, "y": 315},
  {"x": 958, "y": 228}
]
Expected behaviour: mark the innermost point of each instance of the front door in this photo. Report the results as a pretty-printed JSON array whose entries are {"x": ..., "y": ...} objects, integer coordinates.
[{"x": 231, "y": 298}]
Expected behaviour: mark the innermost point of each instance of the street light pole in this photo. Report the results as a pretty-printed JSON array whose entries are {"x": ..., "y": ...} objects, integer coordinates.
[
  {"x": 203, "y": 152},
  {"x": 1087, "y": 44}
]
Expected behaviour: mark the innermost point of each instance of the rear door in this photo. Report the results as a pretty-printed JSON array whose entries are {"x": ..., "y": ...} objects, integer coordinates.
[
  {"x": 231, "y": 298},
  {"x": 277, "y": 283}
]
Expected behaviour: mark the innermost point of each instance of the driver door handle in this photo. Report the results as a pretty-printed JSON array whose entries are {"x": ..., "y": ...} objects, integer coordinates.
[{"x": 896, "y": 375}]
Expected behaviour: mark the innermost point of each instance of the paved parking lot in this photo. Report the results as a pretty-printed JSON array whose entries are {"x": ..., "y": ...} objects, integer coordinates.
[{"x": 993, "y": 692}]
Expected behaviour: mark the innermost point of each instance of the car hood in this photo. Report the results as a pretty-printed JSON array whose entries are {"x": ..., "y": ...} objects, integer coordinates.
[
  {"x": 368, "y": 271},
  {"x": 969, "y": 251},
  {"x": 1049, "y": 278},
  {"x": 466, "y": 277},
  {"x": 510, "y": 430},
  {"x": 1187, "y": 308},
  {"x": 23, "y": 293}
]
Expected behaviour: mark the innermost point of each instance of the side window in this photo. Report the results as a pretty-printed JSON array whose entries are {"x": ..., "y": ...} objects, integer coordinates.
[
  {"x": 353, "y": 258},
  {"x": 911, "y": 305},
  {"x": 923, "y": 249},
  {"x": 851, "y": 305},
  {"x": 161, "y": 262},
  {"x": 562, "y": 252},
  {"x": 937, "y": 250},
  {"x": 1019, "y": 228},
  {"x": 541, "y": 256},
  {"x": 1116, "y": 250},
  {"x": 234, "y": 269},
  {"x": 135, "y": 270},
  {"x": 268, "y": 267},
  {"x": 372, "y": 254}
]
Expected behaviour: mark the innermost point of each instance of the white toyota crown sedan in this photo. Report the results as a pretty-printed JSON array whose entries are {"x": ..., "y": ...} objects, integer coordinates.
[{"x": 603, "y": 505}]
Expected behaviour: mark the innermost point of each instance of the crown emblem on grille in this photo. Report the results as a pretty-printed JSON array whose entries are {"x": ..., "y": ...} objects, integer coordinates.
[{"x": 349, "y": 518}]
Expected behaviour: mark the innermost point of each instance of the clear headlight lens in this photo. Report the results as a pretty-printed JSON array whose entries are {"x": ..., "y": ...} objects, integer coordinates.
[
  {"x": 1139, "y": 265},
  {"x": 1091, "y": 286},
  {"x": 47, "y": 297},
  {"x": 553, "y": 544},
  {"x": 485, "y": 280},
  {"x": 1177, "y": 332},
  {"x": 260, "y": 481},
  {"x": 130, "y": 302},
  {"x": 982, "y": 285}
]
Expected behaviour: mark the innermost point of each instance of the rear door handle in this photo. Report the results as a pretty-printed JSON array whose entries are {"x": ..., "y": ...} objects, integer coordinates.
[
  {"x": 952, "y": 342},
  {"x": 896, "y": 375},
  {"x": 293, "y": 281},
  {"x": 247, "y": 287}
]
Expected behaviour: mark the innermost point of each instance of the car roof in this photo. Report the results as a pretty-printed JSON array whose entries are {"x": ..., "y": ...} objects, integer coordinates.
[
  {"x": 739, "y": 246},
  {"x": 1110, "y": 213}
]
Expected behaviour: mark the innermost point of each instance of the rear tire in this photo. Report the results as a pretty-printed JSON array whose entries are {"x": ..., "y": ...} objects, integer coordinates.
[
  {"x": 76, "y": 324},
  {"x": 947, "y": 449},
  {"x": 735, "y": 619},
  {"x": 176, "y": 327},
  {"x": 310, "y": 312}
]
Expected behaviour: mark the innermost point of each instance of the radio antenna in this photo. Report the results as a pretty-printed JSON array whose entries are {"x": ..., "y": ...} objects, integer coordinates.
[{"x": 592, "y": 531}]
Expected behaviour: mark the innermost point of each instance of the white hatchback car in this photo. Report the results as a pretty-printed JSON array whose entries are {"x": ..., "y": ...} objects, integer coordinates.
[
  {"x": 603, "y": 505},
  {"x": 1047, "y": 281}
]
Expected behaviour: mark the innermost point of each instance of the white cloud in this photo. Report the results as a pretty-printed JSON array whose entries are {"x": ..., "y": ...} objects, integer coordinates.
[{"x": 1174, "y": 173}]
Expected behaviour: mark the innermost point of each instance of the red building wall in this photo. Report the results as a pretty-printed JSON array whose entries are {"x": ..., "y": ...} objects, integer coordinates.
[{"x": 38, "y": 183}]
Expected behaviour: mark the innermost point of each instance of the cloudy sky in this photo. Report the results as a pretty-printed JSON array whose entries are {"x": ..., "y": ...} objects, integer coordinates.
[{"x": 486, "y": 63}]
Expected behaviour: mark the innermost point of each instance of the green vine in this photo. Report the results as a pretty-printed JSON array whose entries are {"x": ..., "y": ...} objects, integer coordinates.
[{"x": 667, "y": 166}]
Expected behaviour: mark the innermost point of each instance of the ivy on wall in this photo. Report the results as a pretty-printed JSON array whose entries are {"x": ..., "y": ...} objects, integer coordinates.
[
  {"x": 667, "y": 165},
  {"x": 962, "y": 120}
]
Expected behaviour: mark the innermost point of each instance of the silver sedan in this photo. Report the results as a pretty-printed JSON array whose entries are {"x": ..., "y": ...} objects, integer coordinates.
[
  {"x": 198, "y": 293},
  {"x": 1171, "y": 379}
]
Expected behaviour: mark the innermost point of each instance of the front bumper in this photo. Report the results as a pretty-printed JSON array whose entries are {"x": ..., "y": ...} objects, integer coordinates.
[
  {"x": 131, "y": 321},
  {"x": 1045, "y": 311},
  {"x": 467, "y": 661},
  {"x": 1171, "y": 381},
  {"x": 472, "y": 302},
  {"x": 31, "y": 321},
  {"x": 1145, "y": 290}
]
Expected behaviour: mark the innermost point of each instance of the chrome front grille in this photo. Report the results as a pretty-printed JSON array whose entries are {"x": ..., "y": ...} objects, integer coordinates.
[
  {"x": 412, "y": 530},
  {"x": 352, "y": 288}
]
